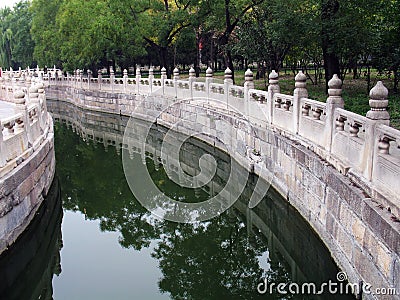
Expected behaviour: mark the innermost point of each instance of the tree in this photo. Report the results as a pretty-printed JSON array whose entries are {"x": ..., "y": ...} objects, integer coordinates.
[
  {"x": 329, "y": 12},
  {"x": 89, "y": 42},
  {"x": 44, "y": 32},
  {"x": 277, "y": 25},
  {"x": 223, "y": 18},
  {"x": 22, "y": 44},
  {"x": 386, "y": 53},
  {"x": 164, "y": 21},
  {"x": 6, "y": 35},
  {"x": 16, "y": 42}
]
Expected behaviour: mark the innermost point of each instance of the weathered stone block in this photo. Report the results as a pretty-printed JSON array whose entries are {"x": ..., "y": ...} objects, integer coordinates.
[{"x": 358, "y": 230}]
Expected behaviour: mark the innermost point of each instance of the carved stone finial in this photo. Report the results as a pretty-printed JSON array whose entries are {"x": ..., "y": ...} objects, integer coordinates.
[
  {"x": 378, "y": 102},
  {"x": 228, "y": 74},
  {"x": 209, "y": 72},
  {"x": 34, "y": 93},
  {"x": 300, "y": 80},
  {"x": 192, "y": 72},
  {"x": 273, "y": 77},
  {"x": 40, "y": 87},
  {"x": 248, "y": 75},
  {"x": 19, "y": 97},
  {"x": 125, "y": 72},
  {"x": 335, "y": 86},
  {"x": 176, "y": 73},
  {"x": 335, "y": 92},
  {"x": 111, "y": 71},
  {"x": 151, "y": 71},
  {"x": 163, "y": 73},
  {"x": 273, "y": 82}
]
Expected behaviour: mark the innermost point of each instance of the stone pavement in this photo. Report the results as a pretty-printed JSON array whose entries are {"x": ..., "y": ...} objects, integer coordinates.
[{"x": 7, "y": 109}]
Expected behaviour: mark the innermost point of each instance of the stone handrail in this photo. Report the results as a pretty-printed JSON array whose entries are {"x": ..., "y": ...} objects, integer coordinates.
[
  {"x": 352, "y": 143},
  {"x": 22, "y": 132}
]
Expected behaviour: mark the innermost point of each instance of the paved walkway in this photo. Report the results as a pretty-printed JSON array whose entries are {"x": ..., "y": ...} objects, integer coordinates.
[{"x": 7, "y": 109}]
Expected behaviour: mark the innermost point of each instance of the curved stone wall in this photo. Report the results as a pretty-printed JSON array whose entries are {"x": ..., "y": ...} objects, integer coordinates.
[
  {"x": 363, "y": 238},
  {"x": 23, "y": 190},
  {"x": 27, "y": 160},
  {"x": 287, "y": 234}
]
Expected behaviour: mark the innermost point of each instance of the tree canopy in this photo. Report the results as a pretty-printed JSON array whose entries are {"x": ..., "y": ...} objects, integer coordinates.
[{"x": 328, "y": 36}]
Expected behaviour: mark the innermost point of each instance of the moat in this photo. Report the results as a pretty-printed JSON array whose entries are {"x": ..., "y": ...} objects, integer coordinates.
[{"x": 104, "y": 244}]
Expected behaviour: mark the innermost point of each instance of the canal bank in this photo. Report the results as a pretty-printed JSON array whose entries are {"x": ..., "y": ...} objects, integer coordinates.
[
  {"x": 27, "y": 160},
  {"x": 28, "y": 266},
  {"x": 353, "y": 213},
  {"x": 159, "y": 259}
]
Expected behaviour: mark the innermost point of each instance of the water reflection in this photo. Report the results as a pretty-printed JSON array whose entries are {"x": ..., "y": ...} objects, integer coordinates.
[
  {"x": 223, "y": 258},
  {"x": 27, "y": 268}
]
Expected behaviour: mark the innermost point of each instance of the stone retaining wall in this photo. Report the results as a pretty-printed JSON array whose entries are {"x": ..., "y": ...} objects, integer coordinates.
[
  {"x": 23, "y": 189},
  {"x": 363, "y": 236}
]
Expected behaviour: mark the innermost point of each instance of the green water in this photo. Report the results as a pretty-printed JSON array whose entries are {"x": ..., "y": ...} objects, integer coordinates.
[{"x": 106, "y": 245}]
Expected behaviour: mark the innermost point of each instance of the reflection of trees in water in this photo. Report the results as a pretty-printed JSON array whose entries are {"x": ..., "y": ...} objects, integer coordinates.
[
  {"x": 210, "y": 260},
  {"x": 93, "y": 182},
  {"x": 214, "y": 259},
  {"x": 27, "y": 268}
]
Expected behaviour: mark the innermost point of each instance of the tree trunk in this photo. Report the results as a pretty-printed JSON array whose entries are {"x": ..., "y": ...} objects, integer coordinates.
[
  {"x": 229, "y": 63},
  {"x": 163, "y": 60},
  {"x": 368, "y": 78},
  {"x": 396, "y": 79},
  {"x": 331, "y": 66},
  {"x": 331, "y": 60}
]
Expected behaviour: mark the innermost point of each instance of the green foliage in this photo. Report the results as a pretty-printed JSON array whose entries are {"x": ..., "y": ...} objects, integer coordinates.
[
  {"x": 292, "y": 34},
  {"x": 45, "y": 31},
  {"x": 6, "y": 36},
  {"x": 16, "y": 43},
  {"x": 277, "y": 25}
]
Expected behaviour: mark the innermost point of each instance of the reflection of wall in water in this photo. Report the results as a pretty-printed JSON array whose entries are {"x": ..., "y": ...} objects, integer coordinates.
[
  {"x": 27, "y": 268},
  {"x": 291, "y": 236}
]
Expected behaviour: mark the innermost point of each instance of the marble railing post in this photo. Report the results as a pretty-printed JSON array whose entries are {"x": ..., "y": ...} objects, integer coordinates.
[
  {"x": 2, "y": 90},
  {"x": 300, "y": 91},
  {"x": 89, "y": 76},
  {"x": 151, "y": 79},
  {"x": 228, "y": 81},
  {"x": 248, "y": 85},
  {"x": 273, "y": 88},
  {"x": 29, "y": 83},
  {"x": 176, "y": 78},
  {"x": 163, "y": 78},
  {"x": 21, "y": 106},
  {"x": 99, "y": 78},
  {"x": 43, "y": 106},
  {"x": 80, "y": 74},
  {"x": 209, "y": 80},
  {"x": 75, "y": 79},
  {"x": 138, "y": 78},
  {"x": 112, "y": 78},
  {"x": 192, "y": 79},
  {"x": 125, "y": 80},
  {"x": 376, "y": 116},
  {"x": 2, "y": 147},
  {"x": 333, "y": 102},
  {"x": 33, "y": 94},
  {"x": 54, "y": 73},
  {"x": 55, "y": 76}
]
